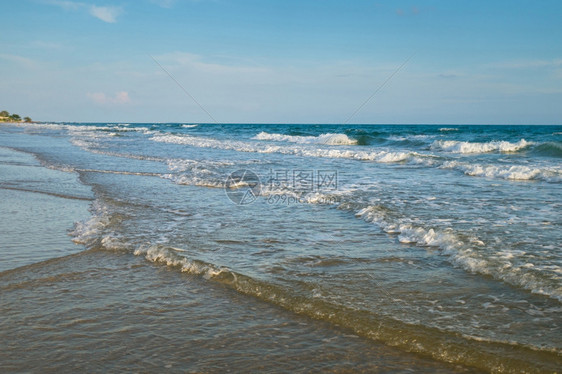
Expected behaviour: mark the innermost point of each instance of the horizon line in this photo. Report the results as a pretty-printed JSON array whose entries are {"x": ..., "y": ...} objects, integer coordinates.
[{"x": 302, "y": 123}]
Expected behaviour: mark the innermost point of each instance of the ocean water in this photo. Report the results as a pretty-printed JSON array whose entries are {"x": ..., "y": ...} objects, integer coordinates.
[{"x": 251, "y": 247}]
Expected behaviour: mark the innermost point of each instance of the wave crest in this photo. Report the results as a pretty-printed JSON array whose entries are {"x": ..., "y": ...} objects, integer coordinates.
[
  {"x": 462, "y": 250},
  {"x": 455, "y": 146},
  {"x": 328, "y": 138},
  {"x": 496, "y": 354},
  {"x": 381, "y": 156},
  {"x": 512, "y": 172}
]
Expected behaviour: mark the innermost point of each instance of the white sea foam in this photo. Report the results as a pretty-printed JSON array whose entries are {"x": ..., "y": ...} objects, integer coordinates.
[
  {"x": 455, "y": 146},
  {"x": 88, "y": 231},
  {"x": 187, "y": 164},
  {"x": 328, "y": 139},
  {"x": 448, "y": 129},
  {"x": 203, "y": 173},
  {"x": 113, "y": 242},
  {"x": 509, "y": 265},
  {"x": 510, "y": 172},
  {"x": 77, "y": 129},
  {"x": 168, "y": 256},
  {"x": 333, "y": 197},
  {"x": 410, "y": 137},
  {"x": 407, "y": 233},
  {"x": 84, "y": 144},
  {"x": 446, "y": 240},
  {"x": 63, "y": 126},
  {"x": 49, "y": 126},
  {"x": 98, "y": 230},
  {"x": 195, "y": 180},
  {"x": 189, "y": 126},
  {"x": 59, "y": 167},
  {"x": 381, "y": 156}
]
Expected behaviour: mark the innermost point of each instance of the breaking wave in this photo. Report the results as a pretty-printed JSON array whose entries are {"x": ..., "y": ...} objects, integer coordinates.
[
  {"x": 381, "y": 156},
  {"x": 328, "y": 139},
  {"x": 512, "y": 172},
  {"x": 439, "y": 344},
  {"x": 455, "y": 146},
  {"x": 464, "y": 251}
]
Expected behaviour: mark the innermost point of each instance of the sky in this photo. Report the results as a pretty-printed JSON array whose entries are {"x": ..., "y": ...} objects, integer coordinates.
[{"x": 283, "y": 61}]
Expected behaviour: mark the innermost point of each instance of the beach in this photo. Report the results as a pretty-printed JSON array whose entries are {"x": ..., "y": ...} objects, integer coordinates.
[{"x": 192, "y": 247}]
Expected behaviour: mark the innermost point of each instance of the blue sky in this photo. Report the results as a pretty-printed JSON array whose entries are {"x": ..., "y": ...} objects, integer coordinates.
[{"x": 269, "y": 61}]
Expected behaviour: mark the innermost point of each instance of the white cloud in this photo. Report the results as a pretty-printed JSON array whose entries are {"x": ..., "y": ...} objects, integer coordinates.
[
  {"x": 196, "y": 63},
  {"x": 105, "y": 13},
  {"x": 20, "y": 60},
  {"x": 120, "y": 98}
]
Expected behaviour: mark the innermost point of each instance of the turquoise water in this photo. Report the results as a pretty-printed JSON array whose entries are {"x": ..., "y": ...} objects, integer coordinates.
[{"x": 429, "y": 247}]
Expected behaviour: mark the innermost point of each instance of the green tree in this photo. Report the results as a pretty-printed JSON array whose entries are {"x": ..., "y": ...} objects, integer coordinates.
[
  {"x": 4, "y": 113},
  {"x": 27, "y": 119},
  {"x": 15, "y": 117}
]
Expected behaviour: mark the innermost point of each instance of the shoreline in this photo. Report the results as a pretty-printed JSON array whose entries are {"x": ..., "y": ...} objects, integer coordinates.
[
  {"x": 362, "y": 284},
  {"x": 92, "y": 297},
  {"x": 40, "y": 216}
]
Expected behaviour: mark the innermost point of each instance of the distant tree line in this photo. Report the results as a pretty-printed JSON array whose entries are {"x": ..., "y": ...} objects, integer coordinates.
[{"x": 5, "y": 116}]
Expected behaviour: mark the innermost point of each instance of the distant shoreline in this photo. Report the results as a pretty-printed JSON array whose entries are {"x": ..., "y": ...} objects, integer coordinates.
[
  {"x": 5, "y": 116},
  {"x": 275, "y": 124},
  {"x": 18, "y": 122}
]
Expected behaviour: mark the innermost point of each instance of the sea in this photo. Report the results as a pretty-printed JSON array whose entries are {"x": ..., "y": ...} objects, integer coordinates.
[{"x": 186, "y": 247}]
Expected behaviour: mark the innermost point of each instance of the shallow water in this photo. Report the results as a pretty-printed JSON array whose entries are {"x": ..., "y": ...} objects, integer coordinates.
[
  {"x": 38, "y": 208},
  {"x": 440, "y": 241},
  {"x": 104, "y": 312}
]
